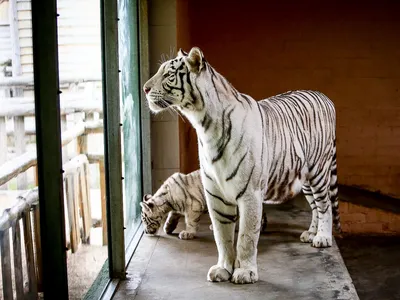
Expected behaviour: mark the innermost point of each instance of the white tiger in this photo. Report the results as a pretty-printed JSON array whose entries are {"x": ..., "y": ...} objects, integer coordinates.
[
  {"x": 252, "y": 152},
  {"x": 180, "y": 195}
]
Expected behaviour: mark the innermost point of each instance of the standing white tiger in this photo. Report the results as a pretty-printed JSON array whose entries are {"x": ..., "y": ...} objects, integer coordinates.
[{"x": 252, "y": 152}]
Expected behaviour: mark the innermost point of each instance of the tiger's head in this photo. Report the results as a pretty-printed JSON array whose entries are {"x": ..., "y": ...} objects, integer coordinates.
[
  {"x": 151, "y": 215},
  {"x": 174, "y": 83}
]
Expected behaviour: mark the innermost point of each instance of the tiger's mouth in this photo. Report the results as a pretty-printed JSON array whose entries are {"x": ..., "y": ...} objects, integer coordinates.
[
  {"x": 150, "y": 230},
  {"x": 163, "y": 103},
  {"x": 159, "y": 105}
]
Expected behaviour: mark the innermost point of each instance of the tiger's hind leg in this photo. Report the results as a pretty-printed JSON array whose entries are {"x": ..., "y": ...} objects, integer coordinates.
[
  {"x": 308, "y": 235},
  {"x": 320, "y": 184}
]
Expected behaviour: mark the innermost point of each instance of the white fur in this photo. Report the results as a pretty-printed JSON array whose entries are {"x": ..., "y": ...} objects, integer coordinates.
[
  {"x": 251, "y": 153},
  {"x": 180, "y": 195}
]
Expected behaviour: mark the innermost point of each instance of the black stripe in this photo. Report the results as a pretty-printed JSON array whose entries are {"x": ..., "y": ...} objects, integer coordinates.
[
  {"x": 163, "y": 194},
  {"x": 213, "y": 82},
  {"x": 208, "y": 176},
  {"x": 197, "y": 220},
  {"x": 247, "y": 184},
  {"x": 169, "y": 204},
  {"x": 183, "y": 190},
  {"x": 220, "y": 199},
  {"x": 321, "y": 198},
  {"x": 323, "y": 211},
  {"x": 247, "y": 99},
  {"x": 201, "y": 191},
  {"x": 231, "y": 218},
  {"x": 240, "y": 142},
  {"x": 200, "y": 142},
  {"x": 206, "y": 122},
  {"x": 315, "y": 184},
  {"x": 225, "y": 137},
  {"x": 237, "y": 168}
]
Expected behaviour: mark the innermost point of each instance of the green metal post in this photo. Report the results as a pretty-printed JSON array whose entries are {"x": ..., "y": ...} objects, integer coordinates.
[
  {"x": 48, "y": 139},
  {"x": 112, "y": 137},
  {"x": 145, "y": 113}
]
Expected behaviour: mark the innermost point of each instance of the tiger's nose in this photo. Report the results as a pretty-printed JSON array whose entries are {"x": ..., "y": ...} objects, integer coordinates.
[{"x": 146, "y": 89}]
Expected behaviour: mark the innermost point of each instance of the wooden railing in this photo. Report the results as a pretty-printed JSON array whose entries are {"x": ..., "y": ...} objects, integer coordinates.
[
  {"x": 25, "y": 209},
  {"x": 24, "y": 249},
  {"x": 20, "y": 164},
  {"x": 77, "y": 205}
]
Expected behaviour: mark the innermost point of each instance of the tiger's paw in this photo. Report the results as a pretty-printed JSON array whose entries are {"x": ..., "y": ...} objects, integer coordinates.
[
  {"x": 218, "y": 274},
  {"x": 242, "y": 276},
  {"x": 186, "y": 235},
  {"x": 322, "y": 241},
  {"x": 307, "y": 237}
]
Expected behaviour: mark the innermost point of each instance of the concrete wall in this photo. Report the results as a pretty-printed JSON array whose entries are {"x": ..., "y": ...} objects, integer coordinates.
[
  {"x": 347, "y": 50},
  {"x": 164, "y": 127}
]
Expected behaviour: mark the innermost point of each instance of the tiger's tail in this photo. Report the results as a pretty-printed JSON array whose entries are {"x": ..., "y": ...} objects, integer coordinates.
[{"x": 333, "y": 193}]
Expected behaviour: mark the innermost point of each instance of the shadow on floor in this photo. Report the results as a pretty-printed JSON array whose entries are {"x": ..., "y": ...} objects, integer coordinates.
[{"x": 374, "y": 265}]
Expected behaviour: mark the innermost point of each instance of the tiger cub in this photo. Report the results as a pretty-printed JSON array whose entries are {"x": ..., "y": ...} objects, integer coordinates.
[{"x": 180, "y": 195}]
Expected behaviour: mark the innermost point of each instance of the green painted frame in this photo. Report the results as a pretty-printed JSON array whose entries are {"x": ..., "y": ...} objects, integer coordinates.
[
  {"x": 112, "y": 138},
  {"x": 47, "y": 109},
  {"x": 48, "y": 145},
  {"x": 145, "y": 113}
]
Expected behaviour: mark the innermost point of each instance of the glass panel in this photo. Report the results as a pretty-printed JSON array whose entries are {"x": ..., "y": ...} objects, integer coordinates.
[
  {"x": 130, "y": 115},
  {"x": 20, "y": 264},
  {"x": 79, "y": 42}
]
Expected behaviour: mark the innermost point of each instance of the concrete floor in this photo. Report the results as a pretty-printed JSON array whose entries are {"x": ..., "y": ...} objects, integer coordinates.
[
  {"x": 164, "y": 267},
  {"x": 374, "y": 264}
]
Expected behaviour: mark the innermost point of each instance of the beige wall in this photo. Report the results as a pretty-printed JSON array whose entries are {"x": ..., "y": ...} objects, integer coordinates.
[{"x": 164, "y": 127}]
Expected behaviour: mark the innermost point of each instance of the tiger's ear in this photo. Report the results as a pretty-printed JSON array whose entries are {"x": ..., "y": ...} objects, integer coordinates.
[
  {"x": 146, "y": 197},
  {"x": 195, "y": 60},
  {"x": 147, "y": 206},
  {"x": 182, "y": 53}
]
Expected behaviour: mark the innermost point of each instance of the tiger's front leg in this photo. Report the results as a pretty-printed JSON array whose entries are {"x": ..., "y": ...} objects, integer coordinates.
[
  {"x": 192, "y": 220},
  {"x": 250, "y": 212},
  {"x": 172, "y": 222},
  {"x": 223, "y": 219}
]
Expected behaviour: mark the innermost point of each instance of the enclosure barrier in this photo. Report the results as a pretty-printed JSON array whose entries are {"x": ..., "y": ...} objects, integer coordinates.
[
  {"x": 77, "y": 198},
  {"x": 18, "y": 109},
  {"x": 25, "y": 208}
]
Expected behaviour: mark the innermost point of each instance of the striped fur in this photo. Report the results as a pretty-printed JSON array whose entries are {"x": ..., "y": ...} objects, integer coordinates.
[
  {"x": 252, "y": 152},
  {"x": 180, "y": 195}
]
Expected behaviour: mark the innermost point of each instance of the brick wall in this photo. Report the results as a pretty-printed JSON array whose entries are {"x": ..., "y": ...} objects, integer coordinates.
[
  {"x": 356, "y": 219},
  {"x": 349, "y": 51}
]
